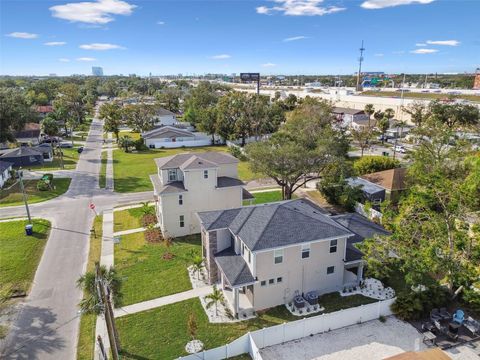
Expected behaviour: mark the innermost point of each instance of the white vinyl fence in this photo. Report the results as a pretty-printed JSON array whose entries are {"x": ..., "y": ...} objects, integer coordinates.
[{"x": 254, "y": 341}]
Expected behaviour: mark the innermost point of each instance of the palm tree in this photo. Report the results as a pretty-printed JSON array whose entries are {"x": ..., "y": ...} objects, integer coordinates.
[
  {"x": 91, "y": 303},
  {"x": 126, "y": 142},
  {"x": 369, "y": 110},
  {"x": 214, "y": 298},
  {"x": 197, "y": 265},
  {"x": 147, "y": 209}
]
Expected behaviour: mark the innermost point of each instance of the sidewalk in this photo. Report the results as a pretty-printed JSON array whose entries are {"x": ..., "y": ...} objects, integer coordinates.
[
  {"x": 129, "y": 231},
  {"x": 109, "y": 169},
  {"x": 166, "y": 300}
]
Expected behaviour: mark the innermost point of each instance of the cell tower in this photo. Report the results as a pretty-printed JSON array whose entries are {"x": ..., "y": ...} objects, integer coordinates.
[{"x": 360, "y": 60}]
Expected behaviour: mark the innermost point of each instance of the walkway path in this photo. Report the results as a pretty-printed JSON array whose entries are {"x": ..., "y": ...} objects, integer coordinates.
[
  {"x": 166, "y": 300},
  {"x": 109, "y": 169},
  {"x": 129, "y": 231}
]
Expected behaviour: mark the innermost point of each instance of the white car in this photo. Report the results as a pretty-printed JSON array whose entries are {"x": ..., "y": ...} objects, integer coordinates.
[{"x": 400, "y": 149}]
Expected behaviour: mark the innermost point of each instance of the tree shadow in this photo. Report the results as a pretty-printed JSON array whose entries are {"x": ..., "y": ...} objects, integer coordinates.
[
  {"x": 126, "y": 355},
  {"x": 33, "y": 332}
]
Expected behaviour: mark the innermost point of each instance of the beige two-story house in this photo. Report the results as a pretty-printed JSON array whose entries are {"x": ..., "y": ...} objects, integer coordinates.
[
  {"x": 265, "y": 254},
  {"x": 191, "y": 182}
]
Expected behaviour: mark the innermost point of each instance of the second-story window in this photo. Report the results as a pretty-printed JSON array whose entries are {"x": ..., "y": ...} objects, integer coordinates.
[
  {"x": 278, "y": 256},
  {"x": 182, "y": 221},
  {"x": 333, "y": 246},
  {"x": 305, "y": 251},
  {"x": 180, "y": 199},
  {"x": 205, "y": 174},
  {"x": 172, "y": 175}
]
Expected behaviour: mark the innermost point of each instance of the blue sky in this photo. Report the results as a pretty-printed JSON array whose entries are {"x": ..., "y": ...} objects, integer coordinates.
[{"x": 272, "y": 37}]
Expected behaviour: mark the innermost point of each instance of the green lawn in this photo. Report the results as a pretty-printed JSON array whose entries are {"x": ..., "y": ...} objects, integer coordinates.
[
  {"x": 20, "y": 254},
  {"x": 102, "y": 177},
  {"x": 146, "y": 275},
  {"x": 132, "y": 134},
  {"x": 127, "y": 219},
  {"x": 13, "y": 196},
  {"x": 70, "y": 158},
  {"x": 132, "y": 170},
  {"x": 162, "y": 332},
  {"x": 86, "y": 336}
]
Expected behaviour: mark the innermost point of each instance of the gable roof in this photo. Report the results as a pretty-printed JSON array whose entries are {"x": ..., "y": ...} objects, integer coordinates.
[
  {"x": 392, "y": 180},
  {"x": 342, "y": 110},
  {"x": 164, "y": 112},
  {"x": 4, "y": 165},
  {"x": 30, "y": 130},
  {"x": 21, "y": 152},
  {"x": 275, "y": 225},
  {"x": 187, "y": 159},
  {"x": 167, "y": 132},
  {"x": 234, "y": 267},
  {"x": 170, "y": 188}
]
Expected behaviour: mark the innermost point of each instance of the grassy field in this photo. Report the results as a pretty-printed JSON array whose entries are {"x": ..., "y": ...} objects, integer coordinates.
[
  {"x": 266, "y": 197},
  {"x": 162, "y": 332},
  {"x": 20, "y": 254},
  {"x": 127, "y": 219},
  {"x": 14, "y": 196},
  {"x": 146, "y": 274},
  {"x": 132, "y": 134},
  {"x": 420, "y": 96},
  {"x": 102, "y": 177},
  {"x": 70, "y": 158},
  {"x": 132, "y": 170},
  {"x": 86, "y": 335}
]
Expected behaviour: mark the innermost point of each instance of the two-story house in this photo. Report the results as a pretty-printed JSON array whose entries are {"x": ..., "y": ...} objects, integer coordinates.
[
  {"x": 191, "y": 182},
  {"x": 262, "y": 255}
]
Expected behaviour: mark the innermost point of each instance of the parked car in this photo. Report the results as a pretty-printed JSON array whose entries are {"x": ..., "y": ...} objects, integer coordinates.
[
  {"x": 80, "y": 149},
  {"x": 400, "y": 149},
  {"x": 66, "y": 145}
]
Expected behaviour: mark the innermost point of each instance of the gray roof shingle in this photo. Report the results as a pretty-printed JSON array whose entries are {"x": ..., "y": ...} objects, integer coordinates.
[
  {"x": 4, "y": 165},
  {"x": 276, "y": 224},
  {"x": 176, "y": 161},
  {"x": 170, "y": 188},
  {"x": 226, "y": 181},
  {"x": 21, "y": 152},
  {"x": 234, "y": 267}
]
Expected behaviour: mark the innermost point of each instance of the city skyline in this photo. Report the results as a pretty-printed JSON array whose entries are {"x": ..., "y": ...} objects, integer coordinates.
[{"x": 270, "y": 37}]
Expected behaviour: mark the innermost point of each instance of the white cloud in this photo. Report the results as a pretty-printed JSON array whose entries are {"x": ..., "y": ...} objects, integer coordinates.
[
  {"x": 443, "y": 42},
  {"x": 22, "y": 35},
  {"x": 221, "y": 57},
  {"x": 160, "y": 22},
  {"x": 378, "y": 54},
  {"x": 55, "y": 43},
  {"x": 424, "y": 51},
  {"x": 269, "y": 65},
  {"x": 86, "y": 59},
  {"x": 299, "y": 8},
  {"x": 380, "y": 4},
  {"x": 420, "y": 44},
  {"x": 295, "y": 38},
  {"x": 64, "y": 60},
  {"x": 94, "y": 12},
  {"x": 100, "y": 46}
]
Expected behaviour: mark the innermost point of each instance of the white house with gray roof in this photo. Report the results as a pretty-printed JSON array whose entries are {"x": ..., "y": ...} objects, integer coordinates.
[
  {"x": 265, "y": 254},
  {"x": 192, "y": 182},
  {"x": 173, "y": 137}
]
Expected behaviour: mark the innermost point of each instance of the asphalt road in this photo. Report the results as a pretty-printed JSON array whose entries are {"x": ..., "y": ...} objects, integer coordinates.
[{"x": 46, "y": 326}]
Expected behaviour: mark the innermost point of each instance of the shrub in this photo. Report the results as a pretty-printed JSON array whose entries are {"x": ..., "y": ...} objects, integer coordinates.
[
  {"x": 382, "y": 319},
  {"x": 153, "y": 235},
  {"x": 237, "y": 152},
  {"x": 42, "y": 186},
  {"x": 408, "y": 306},
  {"x": 371, "y": 164},
  {"x": 140, "y": 145},
  {"x": 148, "y": 219}
]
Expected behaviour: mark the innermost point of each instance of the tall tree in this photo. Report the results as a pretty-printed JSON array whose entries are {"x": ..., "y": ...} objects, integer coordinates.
[
  {"x": 369, "y": 110},
  {"x": 112, "y": 114},
  {"x": 14, "y": 113},
  {"x": 232, "y": 120},
  {"x": 140, "y": 117},
  {"x": 50, "y": 126}
]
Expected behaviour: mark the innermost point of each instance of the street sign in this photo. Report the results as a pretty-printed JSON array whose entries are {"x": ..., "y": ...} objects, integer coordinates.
[
  {"x": 250, "y": 76},
  {"x": 92, "y": 206}
]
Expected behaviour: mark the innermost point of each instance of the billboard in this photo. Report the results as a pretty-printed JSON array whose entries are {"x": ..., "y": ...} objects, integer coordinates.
[{"x": 250, "y": 76}]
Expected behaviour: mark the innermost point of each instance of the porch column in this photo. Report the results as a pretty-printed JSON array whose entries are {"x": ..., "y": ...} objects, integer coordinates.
[
  {"x": 236, "y": 305},
  {"x": 360, "y": 273}
]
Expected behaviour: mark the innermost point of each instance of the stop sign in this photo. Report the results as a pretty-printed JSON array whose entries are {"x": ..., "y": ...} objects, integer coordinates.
[{"x": 92, "y": 206}]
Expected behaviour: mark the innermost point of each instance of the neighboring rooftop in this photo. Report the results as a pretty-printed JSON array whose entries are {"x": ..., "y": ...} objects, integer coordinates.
[
  {"x": 342, "y": 110},
  {"x": 225, "y": 181},
  {"x": 275, "y": 224},
  {"x": 164, "y": 112},
  {"x": 167, "y": 132},
  {"x": 30, "y": 130},
  {"x": 392, "y": 180},
  {"x": 4, "y": 165},
  {"x": 195, "y": 160},
  {"x": 20, "y": 152},
  {"x": 366, "y": 186}
]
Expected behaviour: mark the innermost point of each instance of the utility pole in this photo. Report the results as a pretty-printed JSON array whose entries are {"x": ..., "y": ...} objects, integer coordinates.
[
  {"x": 20, "y": 177},
  {"x": 360, "y": 60},
  {"x": 108, "y": 314}
]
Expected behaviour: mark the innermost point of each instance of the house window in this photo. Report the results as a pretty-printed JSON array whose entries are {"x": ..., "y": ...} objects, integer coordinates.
[
  {"x": 249, "y": 256},
  {"x": 330, "y": 269},
  {"x": 263, "y": 283},
  {"x": 242, "y": 249},
  {"x": 278, "y": 256},
  {"x": 333, "y": 246},
  {"x": 279, "y": 280},
  {"x": 271, "y": 281},
  {"x": 205, "y": 174},
  {"x": 182, "y": 221},
  {"x": 151, "y": 146},
  {"x": 172, "y": 175},
  {"x": 305, "y": 251},
  {"x": 180, "y": 199}
]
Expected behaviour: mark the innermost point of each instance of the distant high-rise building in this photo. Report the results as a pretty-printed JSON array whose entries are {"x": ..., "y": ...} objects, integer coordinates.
[{"x": 97, "y": 71}]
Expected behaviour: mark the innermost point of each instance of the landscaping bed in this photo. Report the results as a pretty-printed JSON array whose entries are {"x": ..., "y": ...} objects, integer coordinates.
[
  {"x": 146, "y": 270},
  {"x": 128, "y": 219},
  {"x": 20, "y": 254},
  {"x": 164, "y": 330},
  {"x": 132, "y": 170},
  {"x": 13, "y": 196}
]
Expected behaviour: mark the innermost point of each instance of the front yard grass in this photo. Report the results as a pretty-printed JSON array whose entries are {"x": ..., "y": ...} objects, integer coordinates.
[
  {"x": 267, "y": 197},
  {"x": 20, "y": 254},
  {"x": 13, "y": 196},
  {"x": 86, "y": 335},
  {"x": 162, "y": 332},
  {"x": 146, "y": 275},
  {"x": 102, "y": 177},
  {"x": 70, "y": 158},
  {"x": 127, "y": 219},
  {"x": 132, "y": 170}
]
